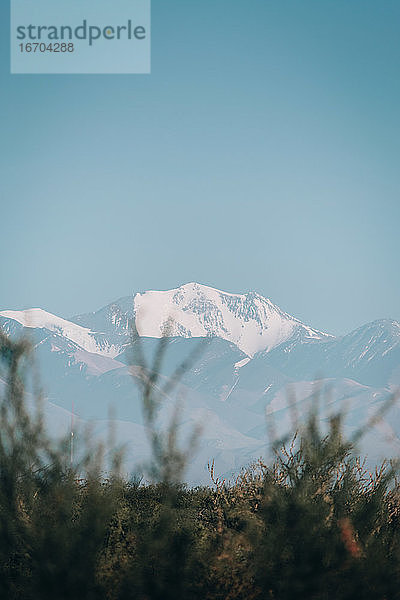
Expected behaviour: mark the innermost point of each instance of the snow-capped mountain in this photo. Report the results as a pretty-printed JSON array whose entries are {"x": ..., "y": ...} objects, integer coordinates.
[
  {"x": 113, "y": 319},
  {"x": 369, "y": 354},
  {"x": 249, "y": 321},
  {"x": 251, "y": 358},
  {"x": 36, "y": 318}
]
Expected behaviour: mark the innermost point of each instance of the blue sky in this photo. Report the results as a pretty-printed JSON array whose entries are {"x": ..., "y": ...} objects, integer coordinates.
[{"x": 262, "y": 153}]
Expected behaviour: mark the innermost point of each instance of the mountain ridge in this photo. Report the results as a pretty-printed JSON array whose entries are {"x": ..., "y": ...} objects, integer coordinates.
[
  {"x": 191, "y": 310},
  {"x": 254, "y": 359}
]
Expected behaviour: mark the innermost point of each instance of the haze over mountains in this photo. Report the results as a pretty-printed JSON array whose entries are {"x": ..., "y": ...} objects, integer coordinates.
[{"x": 254, "y": 361}]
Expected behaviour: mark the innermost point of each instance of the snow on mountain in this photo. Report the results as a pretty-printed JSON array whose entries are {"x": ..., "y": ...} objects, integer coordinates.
[
  {"x": 254, "y": 358},
  {"x": 36, "y": 318},
  {"x": 375, "y": 340},
  {"x": 113, "y": 319},
  {"x": 369, "y": 354},
  {"x": 249, "y": 321}
]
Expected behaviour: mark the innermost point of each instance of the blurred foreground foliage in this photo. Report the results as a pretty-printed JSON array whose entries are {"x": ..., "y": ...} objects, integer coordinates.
[{"x": 313, "y": 524}]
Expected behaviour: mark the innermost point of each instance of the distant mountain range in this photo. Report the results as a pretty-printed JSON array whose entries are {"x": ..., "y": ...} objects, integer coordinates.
[{"x": 255, "y": 362}]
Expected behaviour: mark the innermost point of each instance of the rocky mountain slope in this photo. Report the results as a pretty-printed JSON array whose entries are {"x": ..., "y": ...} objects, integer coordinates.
[{"x": 251, "y": 364}]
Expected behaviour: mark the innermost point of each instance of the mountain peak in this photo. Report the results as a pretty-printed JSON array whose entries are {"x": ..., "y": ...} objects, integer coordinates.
[
  {"x": 37, "y": 318},
  {"x": 249, "y": 321}
]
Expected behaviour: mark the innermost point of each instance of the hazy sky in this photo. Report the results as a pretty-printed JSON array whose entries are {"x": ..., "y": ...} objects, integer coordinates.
[{"x": 262, "y": 153}]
